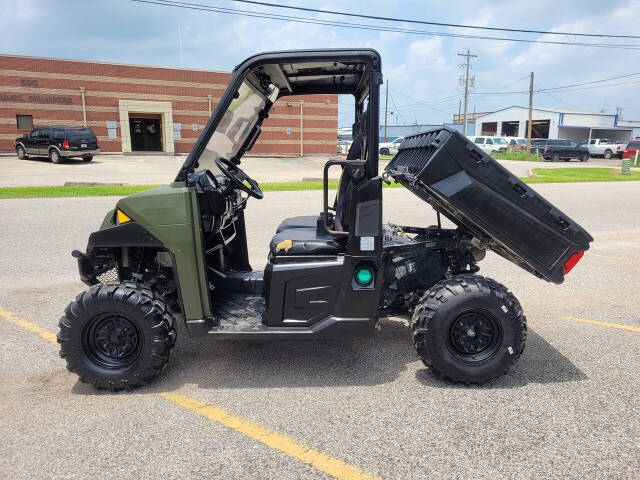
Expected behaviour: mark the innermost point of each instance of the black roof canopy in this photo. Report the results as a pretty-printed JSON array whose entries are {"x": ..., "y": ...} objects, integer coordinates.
[{"x": 301, "y": 72}]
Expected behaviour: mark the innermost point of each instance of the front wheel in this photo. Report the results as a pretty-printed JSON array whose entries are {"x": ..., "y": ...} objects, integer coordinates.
[
  {"x": 385, "y": 151},
  {"x": 584, "y": 157},
  {"x": 116, "y": 336},
  {"x": 608, "y": 154},
  {"x": 22, "y": 154},
  {"x": 469, "y": 329}
]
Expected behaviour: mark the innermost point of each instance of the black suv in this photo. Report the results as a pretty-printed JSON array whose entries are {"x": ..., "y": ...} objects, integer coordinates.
[
  {"x": 556, "y": 150},
  {"x": 58, "y": 142}
]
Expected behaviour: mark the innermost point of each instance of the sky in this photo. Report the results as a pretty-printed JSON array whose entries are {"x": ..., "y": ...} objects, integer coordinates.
[{"x": 419, "y": 69}]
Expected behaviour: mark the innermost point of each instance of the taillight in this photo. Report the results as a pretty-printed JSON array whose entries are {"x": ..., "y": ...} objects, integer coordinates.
[
  {"x": 546, "y": 149},
  {"x": 618, "y": 147},
  {"x": 65, "y": 144},
  {"x": 571, "y": 262}
]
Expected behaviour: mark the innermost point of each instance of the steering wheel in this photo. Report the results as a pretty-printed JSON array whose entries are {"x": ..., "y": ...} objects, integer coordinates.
[{"x": 238, "y": 178}]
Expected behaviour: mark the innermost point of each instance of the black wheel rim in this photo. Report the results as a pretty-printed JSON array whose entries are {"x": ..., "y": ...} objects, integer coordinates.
[
  {"x": 474, "y": 336},
  {"x": 112, "y": 341}
]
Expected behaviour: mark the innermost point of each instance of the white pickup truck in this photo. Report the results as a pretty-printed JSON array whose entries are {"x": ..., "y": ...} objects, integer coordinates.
[{"x": 605, "y": 148}]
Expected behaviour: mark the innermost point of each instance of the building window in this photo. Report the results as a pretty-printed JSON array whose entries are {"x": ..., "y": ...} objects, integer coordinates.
[{"x": 25, "y": 122}]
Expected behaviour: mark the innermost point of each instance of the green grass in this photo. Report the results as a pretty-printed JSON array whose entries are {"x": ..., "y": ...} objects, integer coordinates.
[
  {"x": 571, "y": 175},
  {"x": 522, "y": 156},
  {"x": 542, "y": 175},
  {"x": 385, "y": 157},
  {"x": 72, "y": 191},
  {"x": 124, "y": 190}
]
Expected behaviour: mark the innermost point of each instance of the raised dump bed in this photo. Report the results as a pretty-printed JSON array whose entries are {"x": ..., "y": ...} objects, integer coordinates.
[{"x": 459, "y": 180}]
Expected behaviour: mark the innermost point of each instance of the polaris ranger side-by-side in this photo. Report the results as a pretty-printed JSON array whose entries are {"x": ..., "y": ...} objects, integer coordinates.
[{"x": 180, "y": 251}]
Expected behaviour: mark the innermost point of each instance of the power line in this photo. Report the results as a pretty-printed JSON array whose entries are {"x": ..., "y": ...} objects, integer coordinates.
[
  {"x": 380, "y": 28},
  {"x": 444, "y": 99},
  {"x": 424, "y": 22},
  {"x": 565, "y": 87}
]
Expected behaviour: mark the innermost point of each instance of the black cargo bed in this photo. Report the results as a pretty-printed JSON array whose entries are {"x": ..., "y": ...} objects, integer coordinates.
[{"x": 444, "y": 168}]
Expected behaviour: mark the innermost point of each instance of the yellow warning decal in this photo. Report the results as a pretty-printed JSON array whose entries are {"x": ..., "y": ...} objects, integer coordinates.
[
  {"x": 284, "y": 245},
  {"x": 122, "y": 217}
]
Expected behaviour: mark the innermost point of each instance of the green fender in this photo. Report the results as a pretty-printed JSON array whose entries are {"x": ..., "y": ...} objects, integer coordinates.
[{"x": 171, "y": 214}]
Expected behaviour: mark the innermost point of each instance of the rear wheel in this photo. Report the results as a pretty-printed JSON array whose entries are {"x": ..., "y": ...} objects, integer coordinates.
[
  {"x": 555, "y": 157},
  {"x": 469, "y": 329},
  {"x": 608, "y": 154},
  {"x": 54, "y": 156},
  {"x": 116, "y": 336},
  {"x": 385, "y": 151},
  {"x": 22, "y": 154},
  {"x": 87, "y": 158}
]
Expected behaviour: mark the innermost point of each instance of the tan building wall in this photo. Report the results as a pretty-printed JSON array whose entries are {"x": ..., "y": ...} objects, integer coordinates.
[{"x": 52, "y": 92}]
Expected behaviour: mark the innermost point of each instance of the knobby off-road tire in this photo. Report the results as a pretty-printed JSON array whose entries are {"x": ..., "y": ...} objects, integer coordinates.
[
  {"x": 117, "y": 336},
  {"x": 469, "y": 329}
]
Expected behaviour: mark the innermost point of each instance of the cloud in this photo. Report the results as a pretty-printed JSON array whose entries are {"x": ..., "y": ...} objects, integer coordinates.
[{"x": 421, "y": 67}]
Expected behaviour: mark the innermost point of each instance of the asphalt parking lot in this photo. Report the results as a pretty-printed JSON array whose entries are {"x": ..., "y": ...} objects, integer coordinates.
[{"x": 355, "y": 409}]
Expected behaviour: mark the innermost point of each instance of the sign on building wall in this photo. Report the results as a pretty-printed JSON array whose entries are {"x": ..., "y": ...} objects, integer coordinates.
[
  {"x": 177, "y": 131},
  {"x": 112, "y": 129}
]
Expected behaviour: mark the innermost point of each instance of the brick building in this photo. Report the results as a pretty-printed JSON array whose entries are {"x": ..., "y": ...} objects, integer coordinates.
[{"x": 134, "y": 108}]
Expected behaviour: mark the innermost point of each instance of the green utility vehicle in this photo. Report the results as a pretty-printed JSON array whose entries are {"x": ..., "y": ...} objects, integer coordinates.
[{"x": 179, "y": 252}]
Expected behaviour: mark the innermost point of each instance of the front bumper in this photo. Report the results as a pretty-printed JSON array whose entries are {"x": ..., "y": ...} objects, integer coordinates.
[
  {"x": 79, "y": 153},
  {"x": 87, "y": 272}
]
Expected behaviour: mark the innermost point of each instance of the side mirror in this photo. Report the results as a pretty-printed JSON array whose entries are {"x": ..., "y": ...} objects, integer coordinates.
[{"x": 24, "y": 135}]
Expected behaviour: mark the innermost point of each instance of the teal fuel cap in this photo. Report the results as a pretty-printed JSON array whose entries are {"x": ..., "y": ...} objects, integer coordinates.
[{"x": 364, "y": 276}]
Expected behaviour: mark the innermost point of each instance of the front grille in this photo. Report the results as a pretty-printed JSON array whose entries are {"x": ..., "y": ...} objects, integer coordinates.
[{"x": 109, "y": 276}]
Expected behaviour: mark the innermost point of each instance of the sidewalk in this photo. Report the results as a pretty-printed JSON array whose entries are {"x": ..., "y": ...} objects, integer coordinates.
[{"x": 161, "y": 169}]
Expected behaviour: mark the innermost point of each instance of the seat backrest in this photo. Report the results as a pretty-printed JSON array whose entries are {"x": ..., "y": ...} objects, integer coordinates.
[{"x": 346, "y": 186}]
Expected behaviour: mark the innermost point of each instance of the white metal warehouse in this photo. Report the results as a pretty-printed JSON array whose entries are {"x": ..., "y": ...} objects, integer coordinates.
[{"x": 556, "y": 123}]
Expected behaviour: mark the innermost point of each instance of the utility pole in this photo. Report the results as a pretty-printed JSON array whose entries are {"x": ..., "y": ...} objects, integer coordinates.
[
  {"x": 466, "y": 89},
  {"x": 459, "y": 109},
  {"x": 530, "y": 115},
  {"x": 386, "y": 104}
]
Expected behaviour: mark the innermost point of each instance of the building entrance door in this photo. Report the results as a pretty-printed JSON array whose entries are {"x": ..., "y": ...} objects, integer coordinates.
[{"x": 146, "y": 134}]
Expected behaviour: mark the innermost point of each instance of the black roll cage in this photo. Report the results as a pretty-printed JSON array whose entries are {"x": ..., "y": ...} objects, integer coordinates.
[{"x": 368, "y": 85}]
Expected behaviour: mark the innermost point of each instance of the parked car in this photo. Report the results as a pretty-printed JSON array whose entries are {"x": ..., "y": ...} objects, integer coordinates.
[
  {"x": 556, "y": 150},
  {"x": 605, "y": 148},
  {"x": 516, "y": 143},
  {"x": 632, "y": 148},
  {"x": 489, "y": 144},
  {"x": 537, "y": 145},
  {"x": 57, "y": 142},
  {"x": 390, "y": 148}
]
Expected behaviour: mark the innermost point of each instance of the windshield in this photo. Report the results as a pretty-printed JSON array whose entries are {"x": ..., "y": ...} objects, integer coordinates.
[
  {"x": 236, "y": 125},
  {"x": 500, "y": 141}
]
